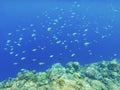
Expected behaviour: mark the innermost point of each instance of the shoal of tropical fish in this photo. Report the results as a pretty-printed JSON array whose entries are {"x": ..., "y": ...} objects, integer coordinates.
[{"x": 66, "y": 29}]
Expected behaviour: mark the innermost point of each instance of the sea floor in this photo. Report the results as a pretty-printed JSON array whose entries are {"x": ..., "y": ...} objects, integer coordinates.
[{"x": 103, "y": 75}]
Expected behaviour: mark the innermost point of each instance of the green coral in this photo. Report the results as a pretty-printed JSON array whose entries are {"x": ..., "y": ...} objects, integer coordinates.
[{"x": 103, "y": 75}]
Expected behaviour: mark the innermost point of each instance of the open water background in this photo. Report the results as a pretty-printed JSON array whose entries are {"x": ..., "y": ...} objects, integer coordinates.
[{"x": 37, "y": 34}]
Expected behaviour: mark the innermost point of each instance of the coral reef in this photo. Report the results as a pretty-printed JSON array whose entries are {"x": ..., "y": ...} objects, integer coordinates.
[{"x": 103, "y": 75}]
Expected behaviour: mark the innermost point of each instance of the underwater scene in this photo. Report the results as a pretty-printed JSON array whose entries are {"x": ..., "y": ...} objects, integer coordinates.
[{"x": 60, "y": 45}]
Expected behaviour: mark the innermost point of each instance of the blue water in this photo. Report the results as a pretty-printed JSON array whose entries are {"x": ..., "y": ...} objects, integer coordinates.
[{"x": 36, "y": 34}]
